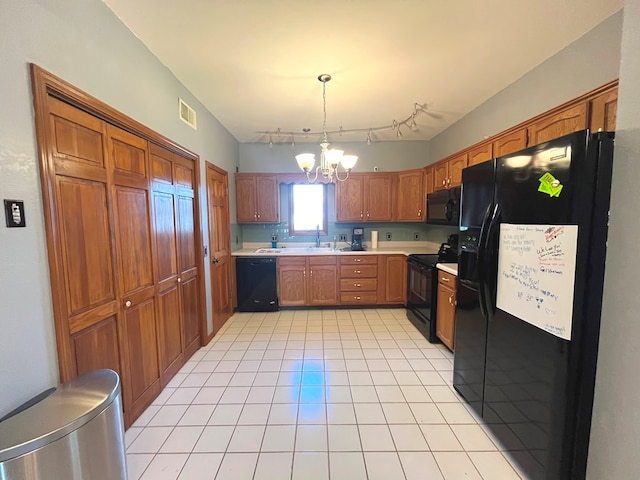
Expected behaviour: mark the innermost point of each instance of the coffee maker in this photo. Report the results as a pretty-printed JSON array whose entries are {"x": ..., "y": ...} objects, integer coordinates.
[{"x": 356, "y": 239}]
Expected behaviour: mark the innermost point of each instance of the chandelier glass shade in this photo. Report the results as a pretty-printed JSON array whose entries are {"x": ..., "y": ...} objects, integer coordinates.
[{"x": 331, "y": 160}]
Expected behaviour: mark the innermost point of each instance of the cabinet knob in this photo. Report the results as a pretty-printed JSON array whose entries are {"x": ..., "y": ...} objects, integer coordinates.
[
  {"x": 255, "y": 216},
  {"x": 357, "y": 298},
  {"x": 444, "y": 182},
  {"x": 356, "y": 260},
  {"x": 448, "y": 181},
  {"x": 258, "y": 215},
  {"x": 357, "y": 285},
  {"x": 367, "y": 214},
  {"x": 444, "y": 279},
  {"x": 361, "y": 215},
  {"x": 127, "y": 303},
  {"x": 357, "y": 271},
  {"x": 420, "y": 212},
  {"x": 179, "y": 280}
]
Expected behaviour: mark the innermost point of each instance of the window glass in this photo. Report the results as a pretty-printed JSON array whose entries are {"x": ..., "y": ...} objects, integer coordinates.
[{"x": 308, "y": 209}]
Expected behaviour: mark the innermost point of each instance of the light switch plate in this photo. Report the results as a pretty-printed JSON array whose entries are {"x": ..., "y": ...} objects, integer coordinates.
[{"x": 14, "y": 213}]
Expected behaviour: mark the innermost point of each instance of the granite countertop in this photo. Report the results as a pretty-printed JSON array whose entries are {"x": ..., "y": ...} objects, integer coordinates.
[
  {"x": 393, "y": 248},
  {"x": 451, "y": 268}
]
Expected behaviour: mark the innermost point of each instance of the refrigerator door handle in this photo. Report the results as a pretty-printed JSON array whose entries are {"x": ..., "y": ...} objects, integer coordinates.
[
  {"x": 481, "y": 261},
  {"x": 490, "y": 250}
]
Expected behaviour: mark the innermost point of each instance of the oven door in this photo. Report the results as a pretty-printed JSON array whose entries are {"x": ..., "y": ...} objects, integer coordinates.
[{"x": 421, "y": 298}]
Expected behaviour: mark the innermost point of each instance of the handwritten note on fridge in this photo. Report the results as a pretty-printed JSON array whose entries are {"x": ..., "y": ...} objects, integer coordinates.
[{"x": 536, "y": 268}]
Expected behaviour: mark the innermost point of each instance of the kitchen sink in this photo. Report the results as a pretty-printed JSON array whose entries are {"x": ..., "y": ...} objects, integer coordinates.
[{"x": 298, "y": 250}]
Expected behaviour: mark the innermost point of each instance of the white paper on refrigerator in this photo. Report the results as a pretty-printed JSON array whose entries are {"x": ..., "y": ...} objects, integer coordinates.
[{"x": 536, "y": 275}]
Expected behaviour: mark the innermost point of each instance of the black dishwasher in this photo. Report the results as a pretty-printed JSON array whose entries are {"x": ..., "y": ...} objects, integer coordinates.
[{"x": 256, "y": 284}]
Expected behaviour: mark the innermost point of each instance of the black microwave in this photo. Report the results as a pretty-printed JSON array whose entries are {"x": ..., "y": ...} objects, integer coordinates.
[{"x": 443, "y": 207}]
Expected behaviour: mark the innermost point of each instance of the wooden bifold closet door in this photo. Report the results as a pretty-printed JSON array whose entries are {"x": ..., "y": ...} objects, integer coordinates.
[{"x": 122, "y": 235}]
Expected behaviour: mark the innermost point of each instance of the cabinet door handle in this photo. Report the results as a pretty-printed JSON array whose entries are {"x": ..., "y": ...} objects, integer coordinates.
[
  {"x": 357, "y": 271},
  {"x": 367, "y": 214},
  {"x": 311, "y": 272},
  {"x": 255, "y": 216},
  {"x": 356, "y": 260},
  {"x": 420, "y": 212},
  {"x": 179, "y": 280},
  {"x": 444, "y": 182},
  {"x": 448, "y": 181},
  {"x": 444, "y": 279},
  {"x": 451, "y": 302},
  {"x": 357, "y": 298},
  {"x": 361, "y": 215},
  {"x": 357, "y": 285},
  {"x": 304, "y": 272},
  {"x": 127, "y": 303}
]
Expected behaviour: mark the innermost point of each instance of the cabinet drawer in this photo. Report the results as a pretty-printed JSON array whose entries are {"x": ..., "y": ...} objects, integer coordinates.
[
  {"x": 292, "y": 261},
  {"x": 322, "y": 260},
  {"x": 358, "y": 298},
  {"x": 358, "y": 284},
  {"x": 359, "y": 260},
  {"x": 445, "y": 278},
  {"x": 358, "y": 271}
]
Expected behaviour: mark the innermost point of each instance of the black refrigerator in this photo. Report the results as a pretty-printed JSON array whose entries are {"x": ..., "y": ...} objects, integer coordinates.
[{"x": 533, "y": 230}]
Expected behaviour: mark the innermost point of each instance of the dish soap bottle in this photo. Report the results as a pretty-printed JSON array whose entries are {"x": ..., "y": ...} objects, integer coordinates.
[{"x": 274, "y": 241}]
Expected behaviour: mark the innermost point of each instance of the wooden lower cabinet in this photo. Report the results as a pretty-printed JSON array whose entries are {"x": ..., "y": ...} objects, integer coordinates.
[
  {"x": 309, "y": 280},
  {"x": 359, "y": 280},
  {"x": 392, "y": 283},
  {"x": 446, "y": 313},
  {"x": 342, "y": 280}
]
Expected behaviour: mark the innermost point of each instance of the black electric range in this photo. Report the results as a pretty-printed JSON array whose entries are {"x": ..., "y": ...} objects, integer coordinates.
[{"x": 422, "y": 288}]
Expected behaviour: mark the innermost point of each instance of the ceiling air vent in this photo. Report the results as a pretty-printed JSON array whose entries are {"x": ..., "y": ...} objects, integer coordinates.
[{"x": 187, "y": 114}]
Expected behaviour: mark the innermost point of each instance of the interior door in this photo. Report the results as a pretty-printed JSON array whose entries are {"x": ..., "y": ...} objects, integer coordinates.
[
  {"x": 135, "y": 266},
  {"x": 219, "y": 244},
  {"x": 188, "y": 280}
]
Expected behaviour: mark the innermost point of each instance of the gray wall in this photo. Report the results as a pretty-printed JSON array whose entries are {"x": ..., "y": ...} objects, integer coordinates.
[
  {"x": 590, "y": 61},
  {"x": 85, "y": 44},
  {"x": 387, "y": 156},
  {"x": 615, "y": 431}
]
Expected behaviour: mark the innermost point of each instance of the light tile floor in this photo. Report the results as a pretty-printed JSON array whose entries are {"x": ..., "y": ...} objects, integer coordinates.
[{"x": 315, "y": 395}]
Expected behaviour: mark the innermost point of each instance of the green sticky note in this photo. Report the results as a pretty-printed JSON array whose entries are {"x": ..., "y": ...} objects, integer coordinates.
[
  {"x": 555, "y": 191},
  {"x": 544, "y": 188},
  {"x": 547, "y": 178}
]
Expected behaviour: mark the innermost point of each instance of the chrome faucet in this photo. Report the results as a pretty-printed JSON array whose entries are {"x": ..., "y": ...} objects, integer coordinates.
[{"x": 317, "y": 236}]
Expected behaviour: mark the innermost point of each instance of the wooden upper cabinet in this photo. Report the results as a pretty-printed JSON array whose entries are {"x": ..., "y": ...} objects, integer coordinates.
[
  {"x": 556, "y": 125},
  {"x": 603, "y": 113},
  {"x": 440, "y": 175},
  {"x": 379, "y": 197},
  {"x": 257, "y": 198},
  {"x": 411, "y": 197},
  {"x": 350, "y": 199},
  {"x": 448, "y": 172},
  {"x": 365, "y": 197},
  {"x": 510, "y": 143},
  {"x": 480, "y": 154},
  {"x": 267, "y": 203},
  {"x": 246, "y": 198},
  {"x": 429, "y": 180},
  {"x": 456, "y": 165}
]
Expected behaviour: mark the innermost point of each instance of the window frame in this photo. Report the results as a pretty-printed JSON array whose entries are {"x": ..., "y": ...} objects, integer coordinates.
[{"x": 325, "y": 222}]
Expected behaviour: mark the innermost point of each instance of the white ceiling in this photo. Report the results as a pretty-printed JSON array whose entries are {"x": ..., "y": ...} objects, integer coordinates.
[{"x": 254, "y": 63}]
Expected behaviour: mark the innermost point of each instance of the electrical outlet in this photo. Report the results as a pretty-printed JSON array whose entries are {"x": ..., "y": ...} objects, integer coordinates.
[
  {"x": 343, "y": 237},
  {"x": 388, "y": 235},
  {"x": 416, "y": 236}
]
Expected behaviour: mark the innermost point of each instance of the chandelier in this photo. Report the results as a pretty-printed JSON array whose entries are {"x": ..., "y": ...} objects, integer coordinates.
[{"x": 330, "y": 160}]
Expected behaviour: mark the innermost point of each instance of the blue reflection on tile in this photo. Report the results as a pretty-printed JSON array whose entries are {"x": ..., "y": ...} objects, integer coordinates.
[
  {"x": 313, "y": 365},
  {"x": 313, "y": 378},
  {"x": 312, "y": 394}
]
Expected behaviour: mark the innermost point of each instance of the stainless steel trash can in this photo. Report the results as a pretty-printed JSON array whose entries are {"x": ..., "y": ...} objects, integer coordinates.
[{"x": 75, "y": 433}]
